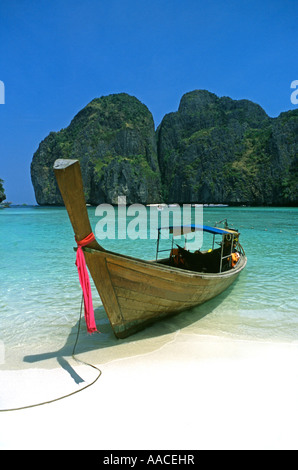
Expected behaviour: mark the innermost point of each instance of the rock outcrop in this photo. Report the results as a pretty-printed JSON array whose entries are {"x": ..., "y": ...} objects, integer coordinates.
[
  {"x": 218, "y": 150},
  {"x": 114, "y": 139},
  {"x": 212, "y": 150}
]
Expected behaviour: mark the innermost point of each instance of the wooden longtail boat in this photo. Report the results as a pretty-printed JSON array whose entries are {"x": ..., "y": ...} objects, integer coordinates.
[{"x": 135, "y": 292}]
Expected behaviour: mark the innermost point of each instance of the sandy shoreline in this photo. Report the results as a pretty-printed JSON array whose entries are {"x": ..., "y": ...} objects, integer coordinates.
[{"x": 194, "y": 392}]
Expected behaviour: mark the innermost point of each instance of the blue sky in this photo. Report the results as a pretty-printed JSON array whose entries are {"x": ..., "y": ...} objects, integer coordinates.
[{"x": 57, "y": 55}]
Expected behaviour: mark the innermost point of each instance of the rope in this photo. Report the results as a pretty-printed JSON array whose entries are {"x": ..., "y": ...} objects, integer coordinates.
[
  {"x": 69, "y": 394},
  {"x": 85, "y": 283}
]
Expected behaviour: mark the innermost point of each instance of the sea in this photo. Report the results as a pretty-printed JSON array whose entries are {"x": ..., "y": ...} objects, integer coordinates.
[{"x": 40, "y": 295}]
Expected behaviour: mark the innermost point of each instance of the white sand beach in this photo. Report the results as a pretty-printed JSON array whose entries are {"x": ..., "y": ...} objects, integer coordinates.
[{"x": 194, "y": 392}]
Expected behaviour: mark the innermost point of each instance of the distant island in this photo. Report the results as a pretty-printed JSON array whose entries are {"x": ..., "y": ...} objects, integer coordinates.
[{"x": 211, "y": 151}]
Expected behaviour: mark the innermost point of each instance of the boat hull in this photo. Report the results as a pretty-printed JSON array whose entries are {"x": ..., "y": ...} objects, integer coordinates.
[{"x": 136, "y": 293}]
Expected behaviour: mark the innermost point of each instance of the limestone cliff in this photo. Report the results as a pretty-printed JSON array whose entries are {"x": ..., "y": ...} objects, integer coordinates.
[
  {"x": 218, "y": 150},
  {"x": 114, "y": 139},
  {"x": 212, "y": 150}
]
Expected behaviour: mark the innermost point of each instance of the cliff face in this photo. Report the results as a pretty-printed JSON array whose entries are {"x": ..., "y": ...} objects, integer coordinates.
[
  {"x": 217, "y": 150},
  {"x": 212, "y": 150},
  {"x": 114, "y": 139},
  {"x": 2, "y": 193}
]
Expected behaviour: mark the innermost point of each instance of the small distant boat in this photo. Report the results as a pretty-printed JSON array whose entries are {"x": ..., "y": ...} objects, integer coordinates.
[
  {"x": 136, "y": 292},
  {"x": 159, "y": 207}
]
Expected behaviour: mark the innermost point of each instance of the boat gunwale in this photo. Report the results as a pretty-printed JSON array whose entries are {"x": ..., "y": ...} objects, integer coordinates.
[{"x": 181, "y": 272}]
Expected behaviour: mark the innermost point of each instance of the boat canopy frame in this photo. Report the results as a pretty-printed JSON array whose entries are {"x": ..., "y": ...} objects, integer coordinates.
[{"x": 178, "y": 230}]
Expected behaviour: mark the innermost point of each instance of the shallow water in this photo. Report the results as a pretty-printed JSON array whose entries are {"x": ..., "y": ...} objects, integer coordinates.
[{"x": 40, "y": 296}]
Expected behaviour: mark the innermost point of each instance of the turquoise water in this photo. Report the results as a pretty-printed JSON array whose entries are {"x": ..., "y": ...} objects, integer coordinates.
[{"x": 40, "y": 293}]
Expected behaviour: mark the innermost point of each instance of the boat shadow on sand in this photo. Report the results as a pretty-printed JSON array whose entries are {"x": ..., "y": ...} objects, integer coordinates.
[{"x": 104, "y": 347}]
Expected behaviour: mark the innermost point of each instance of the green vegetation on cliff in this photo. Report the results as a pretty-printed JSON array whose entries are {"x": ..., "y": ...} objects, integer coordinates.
[
  {"x": 217, "y": 150},
  {"x": 114, "y": 139},
  {"x": 212, "y": 150}
]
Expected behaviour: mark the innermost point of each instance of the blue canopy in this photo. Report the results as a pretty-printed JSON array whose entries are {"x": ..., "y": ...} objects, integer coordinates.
[{"x": 184, "y": 229}]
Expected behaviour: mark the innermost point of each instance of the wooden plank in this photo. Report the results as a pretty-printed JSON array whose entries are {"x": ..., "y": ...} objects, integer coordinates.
[
  {"x": 100, "y": 275},
  {"x": 154, "y": 291},
  {"x": 166, "y": 272},
  {"x": 151, "y": 299},
  {"x": 162, "y": 272},
  {"x": 154, "y": 281},
  {"x": 129, "y": 304},
  {"x": 131, "y": 314},
  {"x": 147, "y": 318}
]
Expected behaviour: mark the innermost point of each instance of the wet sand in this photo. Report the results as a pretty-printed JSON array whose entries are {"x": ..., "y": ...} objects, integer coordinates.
[{"x": 189, "y": 392}]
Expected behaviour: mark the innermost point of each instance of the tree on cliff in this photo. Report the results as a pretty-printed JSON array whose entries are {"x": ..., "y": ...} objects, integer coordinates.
[{"x": 2, "y": 193}]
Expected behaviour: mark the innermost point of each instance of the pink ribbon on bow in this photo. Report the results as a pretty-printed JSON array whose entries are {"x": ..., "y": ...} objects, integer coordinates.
[{"x": 85, "y": 283}]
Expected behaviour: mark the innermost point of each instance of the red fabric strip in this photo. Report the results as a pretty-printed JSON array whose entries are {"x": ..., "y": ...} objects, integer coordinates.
[{"x": 85, "y": 283}]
